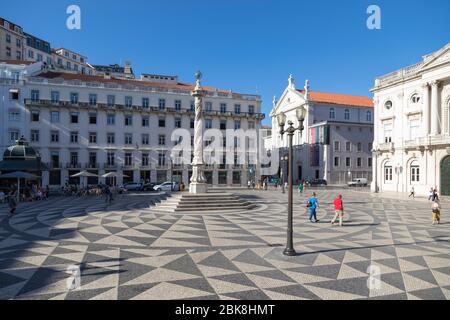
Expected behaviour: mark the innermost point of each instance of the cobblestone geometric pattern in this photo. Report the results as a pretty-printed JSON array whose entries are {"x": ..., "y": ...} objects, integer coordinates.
[{"x": 126, "y": 250}]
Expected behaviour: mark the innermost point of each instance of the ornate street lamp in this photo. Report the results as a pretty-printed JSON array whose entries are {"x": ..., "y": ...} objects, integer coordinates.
[{"x": 281, "y": 118}]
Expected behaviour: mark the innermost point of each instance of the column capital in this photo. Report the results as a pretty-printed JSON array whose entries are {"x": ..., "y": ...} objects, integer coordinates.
[
  {"x": 435, "y": 83},
  {"x": 425, "y": 85}
]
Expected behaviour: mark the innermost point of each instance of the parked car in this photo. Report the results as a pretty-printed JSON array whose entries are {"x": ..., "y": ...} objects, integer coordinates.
[
  {"x": 167, "y": 186},
  {"x": 359, "y": 182},
  {"x": 133, "y": 186},
  {"x": 148, "y": 186},
  {"x": 317, "y": 182}
]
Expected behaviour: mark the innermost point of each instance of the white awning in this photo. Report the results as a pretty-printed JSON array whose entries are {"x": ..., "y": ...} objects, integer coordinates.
[{"x": 14, "y": 90}]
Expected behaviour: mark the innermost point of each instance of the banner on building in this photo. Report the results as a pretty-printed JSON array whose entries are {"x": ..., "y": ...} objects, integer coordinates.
[{"x": 320, "y": 135}]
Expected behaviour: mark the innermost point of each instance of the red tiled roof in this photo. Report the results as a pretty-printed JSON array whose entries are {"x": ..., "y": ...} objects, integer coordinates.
[
  {"x": 338, "y": 98},
  {"x": 266, "y": 127},
  {"x": 17, "y": 62},
  {"x": 101, "y": 79}
]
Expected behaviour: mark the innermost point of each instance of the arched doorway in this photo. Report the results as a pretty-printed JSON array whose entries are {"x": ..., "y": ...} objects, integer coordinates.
[{"x": 445, "y": 176}]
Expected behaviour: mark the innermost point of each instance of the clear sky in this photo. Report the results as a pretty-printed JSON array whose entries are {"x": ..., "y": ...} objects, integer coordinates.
[{"x": 248, "y": 46}]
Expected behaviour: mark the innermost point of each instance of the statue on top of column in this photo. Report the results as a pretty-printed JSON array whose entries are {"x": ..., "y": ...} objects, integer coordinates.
[{"x": 198, "y": 102}]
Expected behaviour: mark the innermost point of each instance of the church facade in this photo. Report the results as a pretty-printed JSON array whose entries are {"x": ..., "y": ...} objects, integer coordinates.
[{"x": 336, "y": 144}]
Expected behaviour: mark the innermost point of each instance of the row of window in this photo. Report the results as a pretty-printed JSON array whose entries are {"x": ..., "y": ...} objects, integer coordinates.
[
  {"x": 347, "y": 114},
  {"x": 128, "y": 120},
  {"x": 111, "y": 158},
  {"x": 414, "y": 173},
  {"x": 72, "y": 66},
  {"x": 9, "y": 53},
  {"x": 128, "y": 102},
  {"x": 348, "y": 162},
  {"x": 348, "y": 146},
  {"x": 414, "y": 129},
  {"x": 39, "y": 57},
  {"x": 111, "y": 138},
  {"x": 18, "y": 40},
  {"x": 415, "y": 99}
]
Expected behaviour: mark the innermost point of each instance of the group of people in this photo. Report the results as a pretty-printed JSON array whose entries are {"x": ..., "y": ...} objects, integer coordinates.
[
  {"x": 30, "y": 193},
  {"x": 302, "y": 186},
  {"x": 435, "y": 206},
  {"x": 38, "y": 193},
  {"x": 313, "y": 204}
]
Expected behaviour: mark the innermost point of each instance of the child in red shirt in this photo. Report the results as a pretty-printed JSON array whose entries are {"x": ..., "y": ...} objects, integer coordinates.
[{"x": 339, "y": 210}]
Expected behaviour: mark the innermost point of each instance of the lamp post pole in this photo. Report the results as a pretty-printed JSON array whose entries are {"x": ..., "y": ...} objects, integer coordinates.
[
  {"x": 284, "y": 164},
  {"x": 376, "y": 154},
  {"x": 290, "y": 251}
]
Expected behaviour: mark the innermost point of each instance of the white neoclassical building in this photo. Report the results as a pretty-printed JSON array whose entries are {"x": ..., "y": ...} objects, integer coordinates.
[
  {"x": 412, "y": 127},
  {"x": 336, "y": 144}
]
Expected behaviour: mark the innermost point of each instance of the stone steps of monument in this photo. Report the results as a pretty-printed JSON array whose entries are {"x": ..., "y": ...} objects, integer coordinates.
[
  {"x": 215, "y": 205},
  {"x": 204, "y": 209},
  {"x": 230, "y": 200},
  {"x": 210, "y": 202}
]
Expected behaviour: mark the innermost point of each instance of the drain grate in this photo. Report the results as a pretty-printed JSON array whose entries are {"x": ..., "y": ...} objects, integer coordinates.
[{"x": 274, "y": 245}]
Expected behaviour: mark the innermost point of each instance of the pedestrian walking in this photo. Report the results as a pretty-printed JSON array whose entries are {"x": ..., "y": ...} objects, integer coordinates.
[
  {"x": 431, "y": 194},
  {"x": 436, "y": 213},
  {"x": 12, "y": 202},
  {"x": 338, "y": 211},
  {"x": 435, "y": 195},
  {"x": 312, "y": 206},
  {"x": 108, "y": 193},
  {"x": 300, "y": 187},
  {"x": 249, "y": 184},
  {"x": 412, "y": 193}
]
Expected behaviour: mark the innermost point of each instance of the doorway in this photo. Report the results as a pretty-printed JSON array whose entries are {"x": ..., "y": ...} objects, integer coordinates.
[{"x": 445, "y": 176}]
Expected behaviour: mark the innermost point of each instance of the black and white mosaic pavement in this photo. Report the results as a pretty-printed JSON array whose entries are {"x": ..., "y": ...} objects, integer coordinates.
[{"x": 127, "y": 250}]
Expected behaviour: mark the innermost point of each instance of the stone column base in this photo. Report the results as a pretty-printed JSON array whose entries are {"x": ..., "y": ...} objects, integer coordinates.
[{"x": 196, "y": 187}]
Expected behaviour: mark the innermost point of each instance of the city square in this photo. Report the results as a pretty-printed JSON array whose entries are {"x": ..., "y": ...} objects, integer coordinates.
[
  {"x": 130, "y": 250},
  {"x": 220, "y": 151}
]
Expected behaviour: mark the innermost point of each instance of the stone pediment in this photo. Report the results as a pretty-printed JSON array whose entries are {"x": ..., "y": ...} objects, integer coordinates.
[
  {"x": 290, "y": 100},
  {"x": 437, "y": 58}
]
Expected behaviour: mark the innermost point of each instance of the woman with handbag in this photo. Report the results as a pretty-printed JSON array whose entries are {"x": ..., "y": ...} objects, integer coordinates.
[{"x": 312, "y": 206}]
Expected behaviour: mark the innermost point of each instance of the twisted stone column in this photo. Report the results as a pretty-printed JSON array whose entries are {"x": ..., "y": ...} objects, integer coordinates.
[{"x": 198, "y": 180}]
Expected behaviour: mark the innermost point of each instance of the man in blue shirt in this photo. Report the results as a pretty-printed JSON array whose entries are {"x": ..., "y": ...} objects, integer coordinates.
[{"x": 313, "y": 204}]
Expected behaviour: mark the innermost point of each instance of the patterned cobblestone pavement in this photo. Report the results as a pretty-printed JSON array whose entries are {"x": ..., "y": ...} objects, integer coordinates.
[{"x": 127, "y": 250}]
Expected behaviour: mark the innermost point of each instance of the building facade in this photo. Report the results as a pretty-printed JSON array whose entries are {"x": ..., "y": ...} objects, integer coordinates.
[
  {"x": 12, "y": 41},
  {"x": 412, "y": 127},
  {"x": 103, "y": 124},
  {"x": 37, "y": 50},
  {"x": 69, "y": 61},
  {"x": 336, "y": 143}
]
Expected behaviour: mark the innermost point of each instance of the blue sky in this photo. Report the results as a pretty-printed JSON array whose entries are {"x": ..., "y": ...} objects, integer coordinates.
[{"x": 249, "y": 46}]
